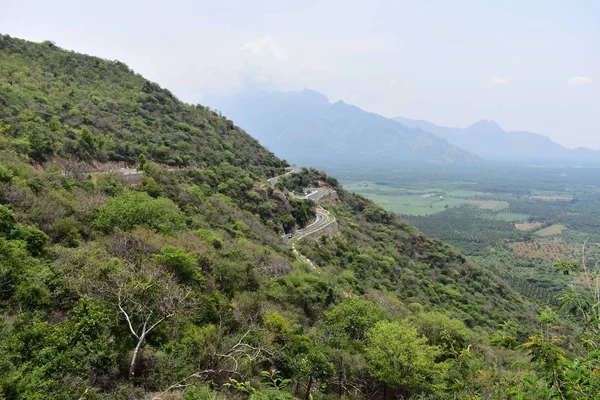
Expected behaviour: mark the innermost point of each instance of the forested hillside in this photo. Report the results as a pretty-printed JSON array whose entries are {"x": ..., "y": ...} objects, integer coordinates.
[{"x": 175, "y": 282}]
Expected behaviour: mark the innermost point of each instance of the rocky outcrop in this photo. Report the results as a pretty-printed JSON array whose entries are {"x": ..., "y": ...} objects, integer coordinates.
[
  {"x": 261, "y": 190},
  {"x": 283, "y": 204}
]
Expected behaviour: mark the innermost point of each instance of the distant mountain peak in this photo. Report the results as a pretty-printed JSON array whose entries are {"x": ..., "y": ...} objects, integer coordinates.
[
  {"x": 488, "y": 125},
  {"x": 306, "y": 92},
  {"x": 303, "y": 127}
]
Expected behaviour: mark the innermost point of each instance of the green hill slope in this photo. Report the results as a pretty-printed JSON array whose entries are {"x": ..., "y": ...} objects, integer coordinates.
[
  {"x": 177, "y": 279},
  {"x": 50, "y": 99}
]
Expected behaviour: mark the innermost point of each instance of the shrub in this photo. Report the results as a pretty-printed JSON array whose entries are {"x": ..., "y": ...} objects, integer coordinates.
[
  {"x": 210, "y": 237},
  {"x": 7, "y": 220},
  {"x": 181, "y": 263},
  {"x": 400, "y": 359},
  {"x": 35, "y": 240},
  {"x": 6, "y": 175},
  {"x": 139, "y": 209}
]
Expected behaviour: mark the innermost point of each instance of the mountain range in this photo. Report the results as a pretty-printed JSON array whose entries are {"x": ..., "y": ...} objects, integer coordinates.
[
  {"x": 304, "y": 127},
  {"x": 489, "y": 141}
]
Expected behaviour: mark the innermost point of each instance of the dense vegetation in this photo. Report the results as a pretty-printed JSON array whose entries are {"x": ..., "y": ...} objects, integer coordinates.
[
  {"x": 177, "y": 284},
  {"x": 58, "y": 103}
]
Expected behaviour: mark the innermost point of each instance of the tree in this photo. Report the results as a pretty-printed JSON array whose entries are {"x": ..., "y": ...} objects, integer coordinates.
[
  {"x": 150, "y": 186},
  {"x": 182, "y": 264},
  {"x": 399, "y": 358},
  {"x": 87, "y": 145},
  {"x": 546, "y": 354},
  {"x": 142, "y": 161},
  {"x": 7, "y": 220},
  {"x": 40, "y": 143},
  {"x": 6, "y": 175},
  {"x": 146, "y": 301},
  {"x": 303, "y": 211},
  {"x": 441, "y": 330},
  {"x": 138, "y": 208},
  {"x": 353, "y": 317},
  {"x": 288, "y": 222},
  {"x": 314, "y": 366}
]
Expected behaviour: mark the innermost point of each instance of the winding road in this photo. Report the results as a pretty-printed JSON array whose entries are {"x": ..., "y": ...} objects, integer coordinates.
[
  {"x": 323, "y": 218},
  {"x": 274, "y": 180}
]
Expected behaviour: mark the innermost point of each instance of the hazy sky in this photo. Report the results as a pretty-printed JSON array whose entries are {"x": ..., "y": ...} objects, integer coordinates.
[{"x": 529, "y": 65}]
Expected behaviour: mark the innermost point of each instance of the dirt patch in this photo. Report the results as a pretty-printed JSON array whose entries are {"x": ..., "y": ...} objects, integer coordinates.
[
  {"x": 528, "y": 226},
  {"x": 549, "y": 251}
]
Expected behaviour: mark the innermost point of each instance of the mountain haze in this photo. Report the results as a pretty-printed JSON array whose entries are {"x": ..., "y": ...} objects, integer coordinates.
[
  {"x": 489, "y": 141},
  {"x": 304, "y": 127}
]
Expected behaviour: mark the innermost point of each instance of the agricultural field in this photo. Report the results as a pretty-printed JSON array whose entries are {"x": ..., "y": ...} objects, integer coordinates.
[
  {"x": 487, "y": 204},
  {"x": 554, "y": 229},
  {"x": 551, "y": 198},
  {"x": 424, "y": 201},
  {"x": 549, "y": 251},
  {"x": 507, "y": 216},
  {"x": 513, "y": 220}
]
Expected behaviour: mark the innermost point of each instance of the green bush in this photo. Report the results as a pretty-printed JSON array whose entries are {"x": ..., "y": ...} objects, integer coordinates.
[
  {"x": 210, "y": 237},
  {"x": 132, "y": 209},
  {"x": 181, "y": 263},
  {"x": 6, "y": 175},
  {"x": 66, "y": 231},
  {"x": 7, "y": 220},
  {"x": 35, "y": 240},
  {"x": 353, "y": 317},
  {"x": 288, "y": 222},
  {"x": 402, "y": 360}
]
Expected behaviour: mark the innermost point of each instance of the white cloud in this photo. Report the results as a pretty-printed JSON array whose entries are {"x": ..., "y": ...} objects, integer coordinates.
[
  {"x": 580, "y": 80},
  {"x": 266, "y": 46},
  {"x": 500, "y": 80}
]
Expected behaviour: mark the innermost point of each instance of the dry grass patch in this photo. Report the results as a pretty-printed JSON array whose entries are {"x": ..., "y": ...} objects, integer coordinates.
[{"x": 551, "y": 230}]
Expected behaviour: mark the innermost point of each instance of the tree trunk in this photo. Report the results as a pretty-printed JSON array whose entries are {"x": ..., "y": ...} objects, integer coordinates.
[
  {"x": 308, "y": 388},
  {"x": 135, "y": 356},
  {"x": 340, "y": 386},
  {"x": 384, "y": 392}
]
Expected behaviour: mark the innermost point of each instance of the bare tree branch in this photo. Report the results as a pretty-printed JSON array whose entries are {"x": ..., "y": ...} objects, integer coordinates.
[{"x": 127, "y": 317}]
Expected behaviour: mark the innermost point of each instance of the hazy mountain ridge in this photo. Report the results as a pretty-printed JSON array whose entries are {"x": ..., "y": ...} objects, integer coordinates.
[
  {"x": 489, "y": 141},
  {"x": 304, "y": 127}
]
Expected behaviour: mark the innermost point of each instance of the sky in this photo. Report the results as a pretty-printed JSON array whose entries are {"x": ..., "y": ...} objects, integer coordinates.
[{"x": 528, "y": 65}]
